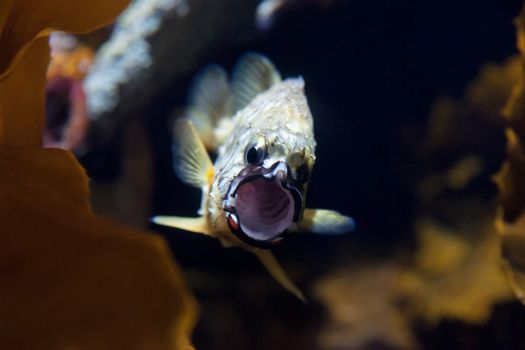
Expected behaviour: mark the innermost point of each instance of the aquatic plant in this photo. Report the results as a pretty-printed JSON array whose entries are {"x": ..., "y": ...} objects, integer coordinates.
[
  {"x": 69, "y": 278},
  {"x": 510, "y": 179},
  {"x": 455, "y": 273},
  {"x": 67, "y": 118}
]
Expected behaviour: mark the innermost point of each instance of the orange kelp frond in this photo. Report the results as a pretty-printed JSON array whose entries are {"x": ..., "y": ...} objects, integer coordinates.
[
  {"x": 22, "y": 99},
  {"x": 70, "y": 280},
  {"x": 22, "y": 21}
]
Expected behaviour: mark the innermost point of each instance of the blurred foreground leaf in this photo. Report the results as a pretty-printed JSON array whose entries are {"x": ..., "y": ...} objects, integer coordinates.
[
  {"x": 72, "y": 280},
  {"x": 69, "y": 280}
]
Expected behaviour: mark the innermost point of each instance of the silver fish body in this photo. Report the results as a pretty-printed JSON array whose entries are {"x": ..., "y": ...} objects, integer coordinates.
[
  {"x": 280, "y": 121},
  {"x": 254, "y": 194}
]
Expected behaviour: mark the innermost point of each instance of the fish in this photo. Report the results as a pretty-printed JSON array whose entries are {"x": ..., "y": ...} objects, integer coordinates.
[{"x": 261, "y": 129}]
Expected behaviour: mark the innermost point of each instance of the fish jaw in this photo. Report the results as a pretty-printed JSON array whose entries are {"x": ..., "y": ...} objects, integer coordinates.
[
  {"x": 261, "y": 203},
  {"x": 261, "y": 207}
]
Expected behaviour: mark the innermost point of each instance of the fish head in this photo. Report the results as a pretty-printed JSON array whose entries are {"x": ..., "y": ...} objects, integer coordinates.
[{"x": 265, "y": 199}]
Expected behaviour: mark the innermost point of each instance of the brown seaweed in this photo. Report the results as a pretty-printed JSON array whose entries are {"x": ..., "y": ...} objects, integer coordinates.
[
  {"x": 69, "y": 278},
  {"x": 510, "y": 179}
]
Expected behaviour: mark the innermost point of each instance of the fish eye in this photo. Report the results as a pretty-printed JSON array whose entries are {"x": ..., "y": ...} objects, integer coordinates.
[{"x": 255, "y": 154}]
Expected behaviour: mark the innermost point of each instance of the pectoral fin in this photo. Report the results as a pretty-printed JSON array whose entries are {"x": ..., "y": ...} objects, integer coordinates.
[
  {"x": 325, "y": 221},
  {"x": 275, "y": 269},
  {"x": 191, "y": 161},
  {"x": 197, "y": 225}
]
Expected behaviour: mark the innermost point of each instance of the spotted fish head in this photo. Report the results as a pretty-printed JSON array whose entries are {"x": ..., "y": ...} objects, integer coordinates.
[{"x": 265, "y": 199}]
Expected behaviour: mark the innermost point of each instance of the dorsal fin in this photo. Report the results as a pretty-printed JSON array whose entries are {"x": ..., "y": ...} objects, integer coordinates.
[
  {"x": 191, "y": 161},
  {"x": 210, "y": 92},
  {"x": 209, "y": 101},
  {"x": 253, "y": 74}
]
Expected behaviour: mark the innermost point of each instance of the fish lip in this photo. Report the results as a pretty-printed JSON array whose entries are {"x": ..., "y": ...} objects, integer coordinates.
[{"x": 252, "y": 173}]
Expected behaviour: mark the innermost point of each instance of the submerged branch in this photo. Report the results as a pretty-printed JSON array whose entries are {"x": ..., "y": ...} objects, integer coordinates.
[{"x": 155, "y": 43}]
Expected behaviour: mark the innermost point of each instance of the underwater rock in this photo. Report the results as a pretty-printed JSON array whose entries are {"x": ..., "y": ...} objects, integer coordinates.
[
  {"x": 363, "y": 308},
  {"x": 451, "y": 123},
  {"x": 456, "y": 275},
  {"x": 154, "y": 43},
  {"x": 451, "y": 276},
  {"x": 268, "y": 10}
]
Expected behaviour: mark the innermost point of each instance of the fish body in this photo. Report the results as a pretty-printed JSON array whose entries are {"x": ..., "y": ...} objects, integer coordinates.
[{"x": 262, "y": 130}]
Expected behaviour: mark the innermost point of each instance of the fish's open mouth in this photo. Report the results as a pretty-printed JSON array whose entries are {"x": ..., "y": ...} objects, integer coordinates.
[{"x": 262, "y": 206}]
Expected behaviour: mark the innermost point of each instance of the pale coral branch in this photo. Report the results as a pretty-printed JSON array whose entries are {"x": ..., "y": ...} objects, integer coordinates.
[{"x": 155, "y": 43}]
